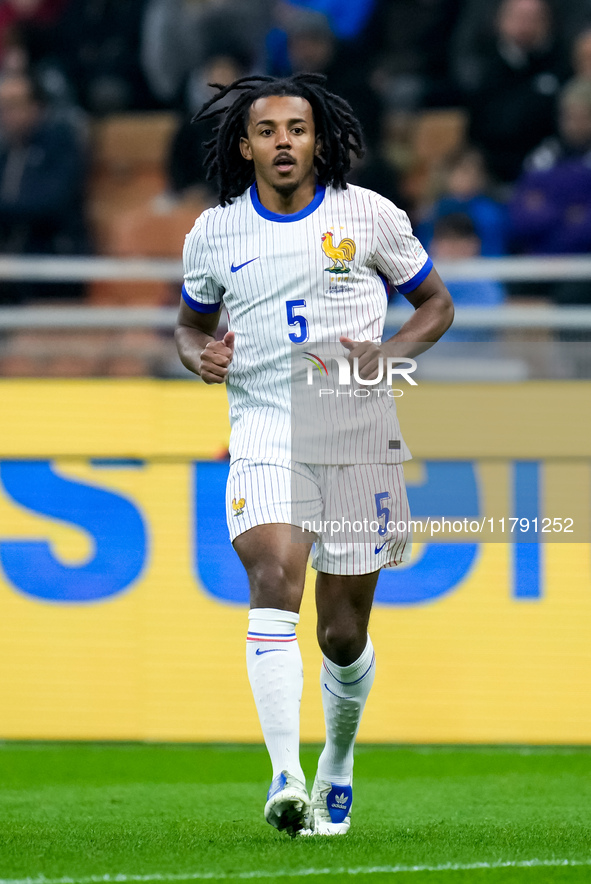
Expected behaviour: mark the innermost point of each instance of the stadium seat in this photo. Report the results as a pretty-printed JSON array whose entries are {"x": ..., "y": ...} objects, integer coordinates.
[
  {"x": 63, "y": 354},
  {"x": 128, "y": 161},
  {"x": 155, "y": 229},
  {"x": 52, "y": 354},
  {"x": 126, "y": 141},
  {"x": 435, "y": 134}
]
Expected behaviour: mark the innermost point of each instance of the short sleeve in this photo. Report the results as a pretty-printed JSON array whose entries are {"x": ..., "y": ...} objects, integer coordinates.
[
  {"x": 399, "y": 255},
  {"x": 200, "y": 291}
]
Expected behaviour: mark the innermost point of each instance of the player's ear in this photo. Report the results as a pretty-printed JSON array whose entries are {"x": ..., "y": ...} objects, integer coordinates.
[
  {"x": 245, "y": 149},
  {"x": 318, "y": 148}
]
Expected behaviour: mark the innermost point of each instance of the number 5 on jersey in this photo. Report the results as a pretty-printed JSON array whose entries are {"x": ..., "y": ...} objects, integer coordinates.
[{"x": 298, "y": 320}]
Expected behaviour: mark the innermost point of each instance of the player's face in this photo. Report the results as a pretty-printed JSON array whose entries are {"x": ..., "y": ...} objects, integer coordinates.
[{"x": 281, "y": 142}]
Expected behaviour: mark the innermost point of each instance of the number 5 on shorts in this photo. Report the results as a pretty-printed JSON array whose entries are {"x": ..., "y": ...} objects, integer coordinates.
[{"x": 382, "y": 511}]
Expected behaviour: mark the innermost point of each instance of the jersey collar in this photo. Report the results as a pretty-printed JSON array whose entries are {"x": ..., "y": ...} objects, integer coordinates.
[{"x": 286, "y": 219}]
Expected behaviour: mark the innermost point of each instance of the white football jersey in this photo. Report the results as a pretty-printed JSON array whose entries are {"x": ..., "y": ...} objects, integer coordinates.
[{"x": 288, "y": 282}]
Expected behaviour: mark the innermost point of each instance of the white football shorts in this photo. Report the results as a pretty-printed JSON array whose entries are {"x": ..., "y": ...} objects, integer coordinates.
[{"x": 359, "y": 513}]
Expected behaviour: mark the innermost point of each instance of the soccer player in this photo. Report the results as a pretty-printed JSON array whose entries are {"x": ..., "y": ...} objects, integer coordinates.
[{"x": 286, "y": 216}]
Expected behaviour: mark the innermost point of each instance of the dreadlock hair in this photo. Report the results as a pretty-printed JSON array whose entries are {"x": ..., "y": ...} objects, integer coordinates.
[{"x": 334, "y": 121}]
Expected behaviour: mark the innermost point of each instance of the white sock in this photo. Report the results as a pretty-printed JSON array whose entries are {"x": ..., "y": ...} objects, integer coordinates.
[
  {"x": 344, "y": 692},
  {"x": 276, "y": 675}
]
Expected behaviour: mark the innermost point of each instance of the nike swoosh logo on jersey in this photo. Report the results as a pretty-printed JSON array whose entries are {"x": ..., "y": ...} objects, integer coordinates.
[
  {"x": 258, "y": 651},
  {"x": 240, "y": 266},
  {"x": 379, "y": 548}
]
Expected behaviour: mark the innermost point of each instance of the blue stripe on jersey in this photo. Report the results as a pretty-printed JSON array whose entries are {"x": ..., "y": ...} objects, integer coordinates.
[
  {"x": 295, "y": 216},
  {"x": 195, "y": 305},
  {"x": 417, "y": 279}
]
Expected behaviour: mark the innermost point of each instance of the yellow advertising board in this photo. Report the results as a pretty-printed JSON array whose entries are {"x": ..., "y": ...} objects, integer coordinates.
[{"x": 123, "y": 606}]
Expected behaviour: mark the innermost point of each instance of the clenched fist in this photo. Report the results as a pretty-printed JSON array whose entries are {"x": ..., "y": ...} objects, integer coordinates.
[
  {"x": 215, "y": 359},
  {"x": 368, "y": 354}
]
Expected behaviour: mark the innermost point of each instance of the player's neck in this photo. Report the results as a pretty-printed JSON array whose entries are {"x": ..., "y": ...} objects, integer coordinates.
[{"x": 286, "y": 203}]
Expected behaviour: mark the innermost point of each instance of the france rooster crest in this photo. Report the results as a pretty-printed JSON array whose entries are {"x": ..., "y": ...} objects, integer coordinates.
[
  {"x": 339, "y": 254},
  {"x": 238, "y": 506}
]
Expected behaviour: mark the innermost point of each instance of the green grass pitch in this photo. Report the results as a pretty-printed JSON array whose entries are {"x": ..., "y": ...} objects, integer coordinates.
[{"x": 128, "y": 812}]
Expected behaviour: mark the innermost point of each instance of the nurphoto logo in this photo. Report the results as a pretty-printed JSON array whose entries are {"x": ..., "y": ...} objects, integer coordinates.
[{"x": 389, "y": 369}]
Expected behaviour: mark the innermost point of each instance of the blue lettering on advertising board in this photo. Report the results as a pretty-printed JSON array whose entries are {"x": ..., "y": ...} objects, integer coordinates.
[
  {"x": 217, "y": 565},
  {"x": 117, "y": 530},
  {"x": 526, "y": 577},
  {"x": 114, "y": 524},
  {"x": 450, "y": 490}
]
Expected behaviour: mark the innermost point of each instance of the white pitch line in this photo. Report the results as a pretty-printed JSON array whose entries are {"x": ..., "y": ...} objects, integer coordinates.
[{"x": 299, "y": 873}]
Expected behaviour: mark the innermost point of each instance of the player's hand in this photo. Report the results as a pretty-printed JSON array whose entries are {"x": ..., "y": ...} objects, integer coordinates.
[
  {"x": 367, "y": 353},
  {"x": 215, "y": 359}
]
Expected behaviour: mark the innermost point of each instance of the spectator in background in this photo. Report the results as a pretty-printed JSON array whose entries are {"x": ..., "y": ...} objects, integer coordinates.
[
  {"x": 28, "y": 43},
  {"x": 41, "y": 184},
  {"x": 312, "y": 47},
  {"x": 26, "y": 24},
  {"x": 475, "y": 31},
  {"x": 455, "y": 239},
  {"x": 465, "y": 188},
  {"x": 512, "y": 87},
  {"x": 180, "y": 36},
  {"x": 346, "y": 21},
  {"x": 374, "y": 172},
  {"x": 347, "y": 18},
  {"x": 550, "y": 211},
  {"x": 408, "y": 44},
  {"x": 581, "y": 54},
  {"x": 186, "y": 160},
  {"x": 96, "y": 47}
]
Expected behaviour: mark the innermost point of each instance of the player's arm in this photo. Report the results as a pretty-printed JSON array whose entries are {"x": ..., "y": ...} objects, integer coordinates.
[
  {"x": 198, "y": 349},
  {"x": 434, "y": 313}
]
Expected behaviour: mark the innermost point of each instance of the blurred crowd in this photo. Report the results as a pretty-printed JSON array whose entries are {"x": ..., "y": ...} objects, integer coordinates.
[{"x": 514, "y": 74}]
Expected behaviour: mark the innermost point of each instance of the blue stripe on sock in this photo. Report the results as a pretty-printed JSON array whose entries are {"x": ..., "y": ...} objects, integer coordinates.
[
  {"x": 273, "y": 634},
  {"x": 373, "y": 659}
]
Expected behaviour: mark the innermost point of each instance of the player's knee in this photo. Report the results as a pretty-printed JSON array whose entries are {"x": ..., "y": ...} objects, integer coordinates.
[
  {"x": 342, "y": 642},
  {"x": 272, "y": 586}
]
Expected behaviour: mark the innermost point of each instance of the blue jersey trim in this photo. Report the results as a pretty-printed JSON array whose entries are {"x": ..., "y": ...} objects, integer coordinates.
[
  {"x": 199, "y": 308},
  {"x": 286, "y": 219},
  {"x": 417, "y": 279}
]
